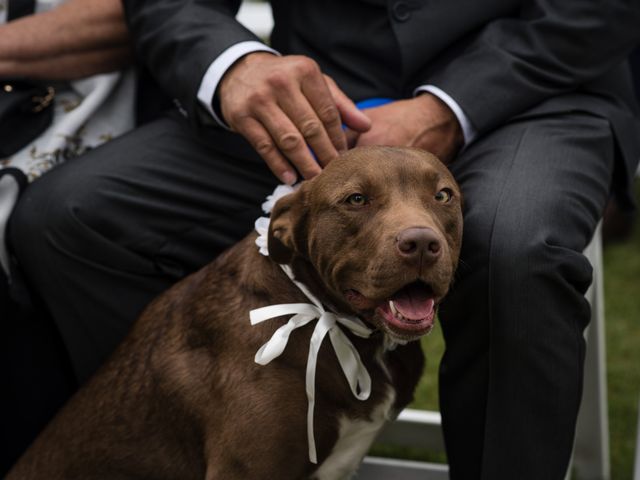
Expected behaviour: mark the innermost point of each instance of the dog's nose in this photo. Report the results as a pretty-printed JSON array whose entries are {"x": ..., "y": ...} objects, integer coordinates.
[{"x": 419, "y": 244}]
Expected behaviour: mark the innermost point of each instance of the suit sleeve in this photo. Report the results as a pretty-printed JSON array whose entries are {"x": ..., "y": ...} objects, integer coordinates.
[
  {"x": 179, "y": 39},
  {"x": 552, "y": 47}
]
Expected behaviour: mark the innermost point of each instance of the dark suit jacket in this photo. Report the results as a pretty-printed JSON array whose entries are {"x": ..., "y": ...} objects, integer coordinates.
[{"x": 497, "y": 58}]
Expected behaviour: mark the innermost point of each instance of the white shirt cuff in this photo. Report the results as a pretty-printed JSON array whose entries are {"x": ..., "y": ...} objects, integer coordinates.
[
  {"x": 468, "y": 132},
  {"x": 219, "y": 67}
]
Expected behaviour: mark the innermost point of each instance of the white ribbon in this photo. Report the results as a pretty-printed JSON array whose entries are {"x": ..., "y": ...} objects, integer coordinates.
[{"x": 348, "y": 357}]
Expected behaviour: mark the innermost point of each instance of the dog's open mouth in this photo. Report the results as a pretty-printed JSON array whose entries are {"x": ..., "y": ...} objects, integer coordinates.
[{"x": 410, "y": 310}]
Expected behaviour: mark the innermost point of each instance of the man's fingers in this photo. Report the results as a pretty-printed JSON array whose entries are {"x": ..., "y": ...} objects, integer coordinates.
[
  {"x": 331, "y": 138},
  {"x": 262, "y": 143},
  {"x": 351, "y": 116},
  {"x": 306, "y": 99},
  {"x": 286, "y": 136},
  {"x": 312, "y": 129}
]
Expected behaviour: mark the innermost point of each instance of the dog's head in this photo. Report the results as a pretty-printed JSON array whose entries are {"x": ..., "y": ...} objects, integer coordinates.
[{"x": 376, "y": 234}]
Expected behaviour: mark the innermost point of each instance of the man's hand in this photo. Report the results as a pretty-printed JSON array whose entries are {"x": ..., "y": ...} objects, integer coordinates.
[
  {"x": 285, "y": 107},
  {"x": 423, "y": 121}
]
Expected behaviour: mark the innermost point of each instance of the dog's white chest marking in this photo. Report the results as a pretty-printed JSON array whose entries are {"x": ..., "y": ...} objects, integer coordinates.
[{"x": 354, "y": 439}]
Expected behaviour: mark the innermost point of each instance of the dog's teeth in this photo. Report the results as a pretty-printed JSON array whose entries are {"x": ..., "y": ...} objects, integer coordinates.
[
  {"x": 394, "y": 311},
  {"x": 392, "y": 307}
]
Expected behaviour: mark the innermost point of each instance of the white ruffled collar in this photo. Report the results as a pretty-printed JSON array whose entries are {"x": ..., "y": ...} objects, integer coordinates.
[{"x": 262, "y": 223}]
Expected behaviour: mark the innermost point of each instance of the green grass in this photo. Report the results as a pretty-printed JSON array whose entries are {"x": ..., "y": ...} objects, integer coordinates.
[{"x": 622, "y": 325}]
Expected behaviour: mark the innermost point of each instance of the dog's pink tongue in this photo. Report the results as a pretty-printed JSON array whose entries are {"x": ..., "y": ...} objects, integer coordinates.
[{"x": 414, "y": 302}]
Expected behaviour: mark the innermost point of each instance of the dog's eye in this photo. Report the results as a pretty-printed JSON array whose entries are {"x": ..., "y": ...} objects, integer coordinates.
[
  {"x": 357, "y": 199},
  {"x": 444, "y": 195}
]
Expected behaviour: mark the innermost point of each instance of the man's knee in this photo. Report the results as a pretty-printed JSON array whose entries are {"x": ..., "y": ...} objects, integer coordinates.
[{"x": 51, "y": 217}]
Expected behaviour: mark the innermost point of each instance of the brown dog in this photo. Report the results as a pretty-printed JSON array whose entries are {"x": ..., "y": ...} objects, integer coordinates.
[{"x": 376, "y": 235}]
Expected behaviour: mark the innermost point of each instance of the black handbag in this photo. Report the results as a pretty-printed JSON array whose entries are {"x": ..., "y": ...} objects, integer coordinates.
[{"x": 26, "y": 110}]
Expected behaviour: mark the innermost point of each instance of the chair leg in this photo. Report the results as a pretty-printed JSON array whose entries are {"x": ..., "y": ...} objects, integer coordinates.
[
  {"x": 591, "y": 452},
  {"x": 636, "y": 469}
]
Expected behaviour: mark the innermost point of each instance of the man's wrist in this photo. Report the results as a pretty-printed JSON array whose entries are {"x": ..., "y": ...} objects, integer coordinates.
[
  {"x": 441, "y": 115},
  {"x": 468, "y": 130},
  {"x": 212, "y": 77}
]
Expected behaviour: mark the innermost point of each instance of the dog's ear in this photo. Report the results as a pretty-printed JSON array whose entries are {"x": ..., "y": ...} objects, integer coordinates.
[{"x": 287, "y": 219}]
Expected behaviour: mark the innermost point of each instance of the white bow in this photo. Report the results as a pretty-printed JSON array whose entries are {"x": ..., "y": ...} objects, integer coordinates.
[{"x": 303, "y": 313}]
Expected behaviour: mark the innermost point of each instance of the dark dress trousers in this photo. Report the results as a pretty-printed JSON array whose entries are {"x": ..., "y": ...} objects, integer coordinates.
[{"x": 544, "y": 84}]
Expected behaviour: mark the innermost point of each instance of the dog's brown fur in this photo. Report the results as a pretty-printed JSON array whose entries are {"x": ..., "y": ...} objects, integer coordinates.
[{"x": 182, "y": 396}]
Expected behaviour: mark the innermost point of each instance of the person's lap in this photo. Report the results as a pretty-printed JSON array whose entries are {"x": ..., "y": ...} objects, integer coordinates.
[
  {"x": 511, "y": 376},
  {"x": 102, "y": 236}
]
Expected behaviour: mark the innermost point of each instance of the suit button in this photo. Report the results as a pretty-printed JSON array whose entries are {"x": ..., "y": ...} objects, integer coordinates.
[{"x": 400, "y": 11}]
